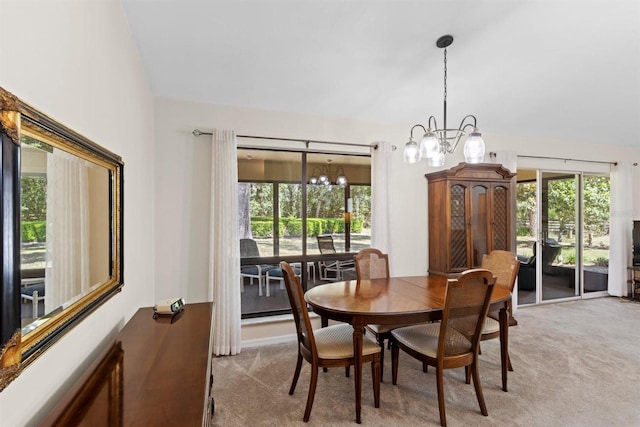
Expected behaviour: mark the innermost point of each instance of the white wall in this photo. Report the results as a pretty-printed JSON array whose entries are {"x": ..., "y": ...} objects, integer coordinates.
[{"x": 75, "y": 60}]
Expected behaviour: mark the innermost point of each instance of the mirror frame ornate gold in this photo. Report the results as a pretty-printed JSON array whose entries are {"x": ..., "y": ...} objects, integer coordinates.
[{"x": 17, "y": 118}]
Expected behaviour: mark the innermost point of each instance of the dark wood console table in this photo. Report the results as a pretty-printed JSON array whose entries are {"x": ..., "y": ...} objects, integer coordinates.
[{"x": 157, "y": 372}]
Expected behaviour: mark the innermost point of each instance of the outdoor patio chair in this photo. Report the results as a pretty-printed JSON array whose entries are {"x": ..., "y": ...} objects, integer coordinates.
[
  {"x": 338, "y": 268},
  {"x": 249, "y": 249}
]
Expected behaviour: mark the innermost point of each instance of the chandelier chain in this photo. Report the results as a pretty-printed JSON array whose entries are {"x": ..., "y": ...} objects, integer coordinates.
[{"x": 445, "y": 74}]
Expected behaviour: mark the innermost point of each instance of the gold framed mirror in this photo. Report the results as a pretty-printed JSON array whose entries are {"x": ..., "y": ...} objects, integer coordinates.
[{"x": 61, "y": 215}]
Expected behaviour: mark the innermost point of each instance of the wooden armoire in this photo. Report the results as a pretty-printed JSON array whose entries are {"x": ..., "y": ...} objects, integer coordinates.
[{"x": 469, "y": 215}]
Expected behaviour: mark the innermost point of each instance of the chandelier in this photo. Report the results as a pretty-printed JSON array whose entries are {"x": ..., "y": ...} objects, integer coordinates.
[
  {"x": 322, "y": 175},
  {"x": 437, "y": 142}
]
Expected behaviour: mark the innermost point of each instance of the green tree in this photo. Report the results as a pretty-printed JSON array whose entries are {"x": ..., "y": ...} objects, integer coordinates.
[
  {"x": 526, "y": 208},
  {"x": 561, "y": 195},
  {"x": 244, "y": 211},
  {"x": 325, "y": 201},
  {"x": 361, "y": 196},
  {"x": 261, "y": 197},
  {"x": 290, "y": 200},
  {"x": 597, "y": 190},
  {"x": 33, "y": 199}
]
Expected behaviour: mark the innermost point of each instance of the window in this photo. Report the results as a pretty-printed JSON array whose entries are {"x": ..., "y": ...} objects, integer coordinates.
[
  {"x": 33, "y": 204},
  {"x": 283, "y": 215}
]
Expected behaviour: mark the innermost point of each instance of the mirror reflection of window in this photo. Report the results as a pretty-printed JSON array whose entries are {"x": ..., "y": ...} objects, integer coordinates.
[
  {"x": 65, "y": 232},
  {"x": 33, "y": 211}
]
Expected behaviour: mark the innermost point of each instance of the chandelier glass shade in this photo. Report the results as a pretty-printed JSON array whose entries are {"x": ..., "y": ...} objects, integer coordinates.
[
  {"x": 436, "y": 142},
  {"x": 322, "y": 175}
]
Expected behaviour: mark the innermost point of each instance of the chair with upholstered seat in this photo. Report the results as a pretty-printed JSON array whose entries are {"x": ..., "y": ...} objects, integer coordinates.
[
  {"x": 373, "y": 264},
  {"x": 504, "y": 266},
  {"x": 453, "y": 342},
  {"x": 325, "y": 347}
]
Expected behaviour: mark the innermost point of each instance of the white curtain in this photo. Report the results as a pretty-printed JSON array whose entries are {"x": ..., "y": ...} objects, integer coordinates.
[
  {"x": 67, "y": 255},
  {"x": 224, "y": 264},
  {"x": 380, "y": 195},
  {"x": 621, "y": 210}
]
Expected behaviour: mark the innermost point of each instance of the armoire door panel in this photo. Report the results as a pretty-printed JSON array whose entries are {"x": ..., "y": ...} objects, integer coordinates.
[
  {"x": 458, "y": 234},
  {"x": 479, "y": 223},
  {"x": 500, "y": 217}
]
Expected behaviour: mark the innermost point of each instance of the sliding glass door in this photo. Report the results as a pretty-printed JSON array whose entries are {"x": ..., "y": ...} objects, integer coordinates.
[
  {"x": 559, "y": 214},
  {"x": 562, "y": 235}
]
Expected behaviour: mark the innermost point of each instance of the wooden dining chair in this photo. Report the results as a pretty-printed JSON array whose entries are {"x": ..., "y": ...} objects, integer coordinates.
[
  {"x": 373, "y": 264},
  {"x": 452, "y": 343},
  {"x": 504, "y": 266},
  {"x": 331, "y": 346}
]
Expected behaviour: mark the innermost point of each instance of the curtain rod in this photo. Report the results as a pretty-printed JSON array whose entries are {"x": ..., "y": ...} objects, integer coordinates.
[
  {"x": 198, "y": 132},
  {"x": 570, "y": 160}
]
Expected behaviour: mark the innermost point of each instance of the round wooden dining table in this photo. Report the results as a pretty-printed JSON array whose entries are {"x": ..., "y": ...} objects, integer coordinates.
[{"x": 391, "y": 301}]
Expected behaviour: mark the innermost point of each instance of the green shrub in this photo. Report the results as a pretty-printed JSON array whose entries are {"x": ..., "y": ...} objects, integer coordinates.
[
  {"x": 261, "y": 218},
  {"x": 357, "y": 225},
  {"x": 262, "y": 229},
  {"x": 314, "y": 227},
  {"x": 570, "y": 258},
  {"x": 292, "y": 227},
  {"x": 602, "y": 262},
  {"x": 33, "y": 231}
]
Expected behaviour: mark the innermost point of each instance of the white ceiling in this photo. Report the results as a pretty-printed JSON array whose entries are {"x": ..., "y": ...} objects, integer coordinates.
[{"x": 560, "y": 69}]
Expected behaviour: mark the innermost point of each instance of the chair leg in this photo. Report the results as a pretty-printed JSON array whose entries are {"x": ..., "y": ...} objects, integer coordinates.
[
  {"x": 381, "y": 344},
  {"x": 440, "y": 383},
  {"x": 347, "y": 371},
  {"x": 312, "y": 393},
  {"x": 296, "y": 375},
  {"x": 395, "y": 355},
  {"x": 467, "y": 374},
  {"x": 425, "y": 367},
  {"x": 509, "y": 367},
  {"x": 376, "y": 374},
  {"x": 478, "y": 387}
]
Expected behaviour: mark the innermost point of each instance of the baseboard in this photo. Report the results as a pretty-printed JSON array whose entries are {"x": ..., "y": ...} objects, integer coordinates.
[{"x": 259, "y": 342}]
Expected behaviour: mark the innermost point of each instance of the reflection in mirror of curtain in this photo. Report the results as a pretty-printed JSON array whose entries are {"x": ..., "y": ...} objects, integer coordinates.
[{"x": 68, "y": 233}]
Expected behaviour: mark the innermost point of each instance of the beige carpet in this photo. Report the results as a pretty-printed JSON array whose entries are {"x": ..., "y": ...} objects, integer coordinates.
[{"x": 575, "y": 364}]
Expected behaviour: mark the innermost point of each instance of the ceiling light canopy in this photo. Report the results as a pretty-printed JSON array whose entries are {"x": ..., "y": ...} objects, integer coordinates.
[{"x": 436, "y": 142}]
